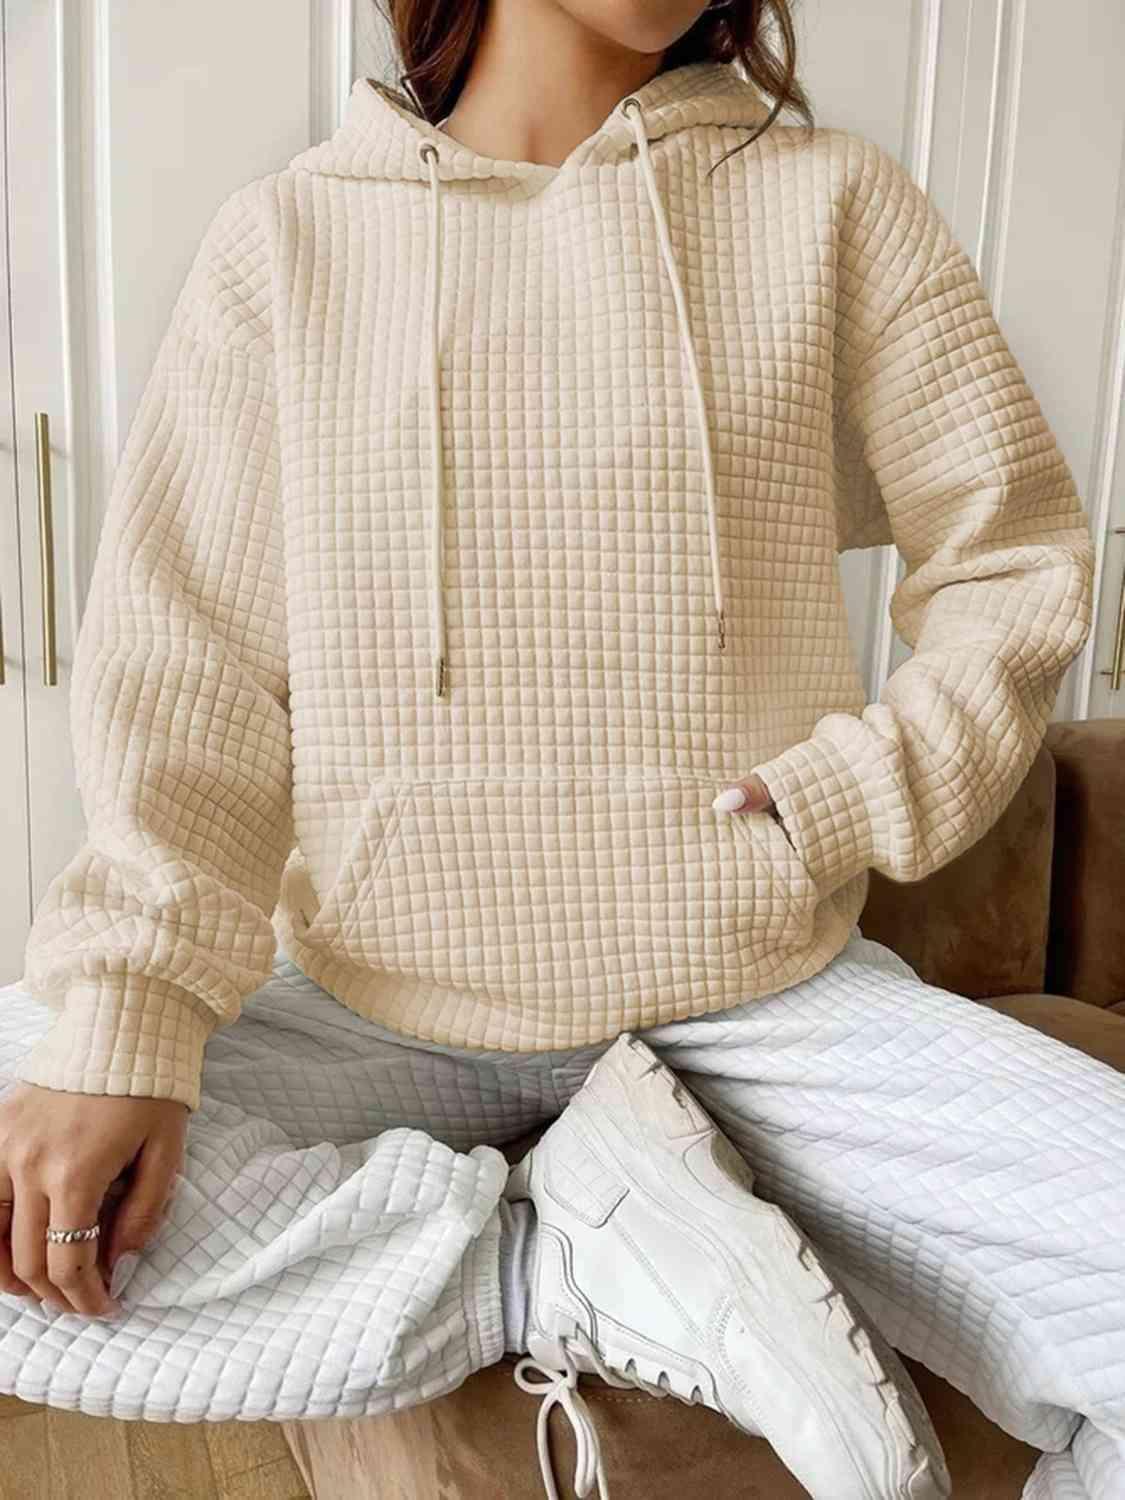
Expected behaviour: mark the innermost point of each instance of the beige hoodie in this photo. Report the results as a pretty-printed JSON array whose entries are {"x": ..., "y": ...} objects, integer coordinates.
[{"x": 479, "y": 522}]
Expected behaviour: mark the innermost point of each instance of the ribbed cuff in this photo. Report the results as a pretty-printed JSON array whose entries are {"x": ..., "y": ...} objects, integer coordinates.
[
  {"x": 481, "y": 1295},
  {"x": 124, "y": 1034},
  {"x": 823, "y": 811}
]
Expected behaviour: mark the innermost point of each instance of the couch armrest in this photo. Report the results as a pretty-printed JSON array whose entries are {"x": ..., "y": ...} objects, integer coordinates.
[
  {"x": 978, "y": 926},
  {"x": 1086, "y": 934},
  {"x": 1099, "y": 1033}
]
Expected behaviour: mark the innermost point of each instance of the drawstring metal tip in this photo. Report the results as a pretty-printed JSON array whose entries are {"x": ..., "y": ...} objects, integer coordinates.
[
  {"x": 721, "y": 619},
  {"x": 439, "y": 677}
]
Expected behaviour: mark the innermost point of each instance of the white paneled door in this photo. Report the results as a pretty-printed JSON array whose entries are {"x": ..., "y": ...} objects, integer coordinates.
[
  {"x": 125, "y": 124},
  {"x": 43, "y": 451},
  {"x": 15, "y": 839},
  {"x": 1012, "y": 116}
]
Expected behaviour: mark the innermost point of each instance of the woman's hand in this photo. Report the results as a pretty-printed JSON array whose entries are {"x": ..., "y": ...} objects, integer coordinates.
[
  {"x": 61, "y": 1156},
  {"x": 750, "y": 795}
]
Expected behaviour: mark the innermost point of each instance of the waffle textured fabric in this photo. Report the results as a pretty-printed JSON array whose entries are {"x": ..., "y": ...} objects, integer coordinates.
[
  {"x": 332, "y": 1243},
  {"x": 480, "y": 521}
]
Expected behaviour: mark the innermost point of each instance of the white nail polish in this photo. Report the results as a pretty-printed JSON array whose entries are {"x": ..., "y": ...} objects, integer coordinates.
[
  {"x": 122, "y": 1272},
  {"x": 731, "y": 800}
]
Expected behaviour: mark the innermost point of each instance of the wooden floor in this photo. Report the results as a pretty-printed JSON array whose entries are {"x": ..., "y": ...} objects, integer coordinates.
[{"x": 47, "y": 1454}]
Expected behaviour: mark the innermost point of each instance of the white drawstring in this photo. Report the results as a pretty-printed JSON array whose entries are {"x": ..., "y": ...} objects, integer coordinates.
[
  {"x": 560, "y": 1388},
  {"x": 427, "y": 150},
  {"x": 635, "y": 116}
]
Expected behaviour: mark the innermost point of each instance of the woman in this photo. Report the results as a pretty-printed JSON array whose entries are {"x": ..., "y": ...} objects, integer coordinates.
[{"x": 469, "y": 594}]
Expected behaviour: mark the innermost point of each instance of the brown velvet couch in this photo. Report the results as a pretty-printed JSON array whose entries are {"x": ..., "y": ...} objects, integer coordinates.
[{"x": 1031, "y": 920}]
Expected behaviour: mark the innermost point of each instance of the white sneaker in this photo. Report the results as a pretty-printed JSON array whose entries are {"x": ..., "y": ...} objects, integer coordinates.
[{"x": 657, "y": 1267}]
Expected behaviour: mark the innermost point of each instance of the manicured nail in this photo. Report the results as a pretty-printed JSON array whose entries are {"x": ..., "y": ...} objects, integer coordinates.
[
  {"x": 731, "y": 800},
  {"x": 114, "y": 1310},
  {"x": 123, "y": 1269}
]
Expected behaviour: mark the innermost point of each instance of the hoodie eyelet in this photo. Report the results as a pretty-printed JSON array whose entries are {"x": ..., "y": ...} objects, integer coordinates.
[
  {"x": 427, "y": 148},
  {"x": 625, "y": 103}
]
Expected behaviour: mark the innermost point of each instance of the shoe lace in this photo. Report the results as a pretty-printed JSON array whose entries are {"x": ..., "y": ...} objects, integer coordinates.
[{"x": 560, "y": 1388}]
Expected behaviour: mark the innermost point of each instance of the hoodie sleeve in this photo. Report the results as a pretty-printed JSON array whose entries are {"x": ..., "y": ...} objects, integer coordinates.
[
  {"x": 159, "y": 926},
  {"x": 996, "y": 597}
]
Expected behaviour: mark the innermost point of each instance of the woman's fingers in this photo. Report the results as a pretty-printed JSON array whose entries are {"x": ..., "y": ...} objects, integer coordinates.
[
  {"x": 30, "y": 1217},
  {"x": 142, "y": 1209},
  {"x": 75, "y": 1161},
  {"x": 72, "y": 1269},
  {"x": 111, "y": 1207},
  {"x": 66, "y": 1277},
  {"x": 751, "y": 795},
  {"x": 9, "y": 1281}
]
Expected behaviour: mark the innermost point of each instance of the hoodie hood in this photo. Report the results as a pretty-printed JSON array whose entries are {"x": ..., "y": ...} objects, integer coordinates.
[{"x": 379, "y": 138}]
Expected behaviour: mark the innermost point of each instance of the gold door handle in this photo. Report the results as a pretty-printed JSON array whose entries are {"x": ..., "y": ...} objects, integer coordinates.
[
  {"x": 46, "y": 547},
  {"x": 1117, "y": 669}
]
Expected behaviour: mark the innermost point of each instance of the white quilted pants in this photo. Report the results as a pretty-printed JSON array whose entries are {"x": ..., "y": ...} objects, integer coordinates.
[{"x": 332, "y": 1244}]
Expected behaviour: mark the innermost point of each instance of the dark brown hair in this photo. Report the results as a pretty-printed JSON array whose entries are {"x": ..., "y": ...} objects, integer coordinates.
[{"x": 437, "y": 41}]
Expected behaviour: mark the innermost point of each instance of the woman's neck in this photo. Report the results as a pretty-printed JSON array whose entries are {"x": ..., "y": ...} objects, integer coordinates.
[{"x": 540, "y": 83}]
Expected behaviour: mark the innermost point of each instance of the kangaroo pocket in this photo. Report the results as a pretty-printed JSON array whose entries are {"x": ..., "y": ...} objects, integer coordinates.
[{"x": 535, "y": 892}]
